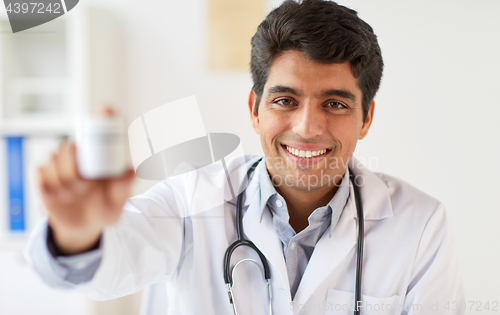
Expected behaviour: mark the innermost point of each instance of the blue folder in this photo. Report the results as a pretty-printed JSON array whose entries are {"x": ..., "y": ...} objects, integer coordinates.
[{"x": 15, "y": 181}]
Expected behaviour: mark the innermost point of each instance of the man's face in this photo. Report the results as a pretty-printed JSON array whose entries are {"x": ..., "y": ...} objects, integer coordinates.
[{"x": 313, "y": 110}]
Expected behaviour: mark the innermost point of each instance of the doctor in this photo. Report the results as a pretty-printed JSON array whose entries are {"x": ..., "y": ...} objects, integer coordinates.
[{"x": 316, "y": 68}]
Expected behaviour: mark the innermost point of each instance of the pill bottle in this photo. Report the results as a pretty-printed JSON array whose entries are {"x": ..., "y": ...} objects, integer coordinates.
[{"x": 101, "y": 145}]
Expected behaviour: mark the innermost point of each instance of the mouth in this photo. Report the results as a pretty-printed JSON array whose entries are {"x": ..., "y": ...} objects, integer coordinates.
[{"x": 305, "y": 154}]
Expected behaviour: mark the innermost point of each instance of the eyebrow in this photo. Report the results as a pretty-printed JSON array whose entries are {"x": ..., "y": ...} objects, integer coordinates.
[
  {"x": 341, "y": 93},
  {"x": 333, "y": 92},
  {"x": 283, "y": 89}
]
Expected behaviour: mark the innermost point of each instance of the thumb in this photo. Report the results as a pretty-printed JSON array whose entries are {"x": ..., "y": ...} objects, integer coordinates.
[{"x": 119, "y": 188}]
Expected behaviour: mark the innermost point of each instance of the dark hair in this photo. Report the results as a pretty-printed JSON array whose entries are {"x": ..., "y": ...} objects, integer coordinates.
[{"x": 326, "y": 32}]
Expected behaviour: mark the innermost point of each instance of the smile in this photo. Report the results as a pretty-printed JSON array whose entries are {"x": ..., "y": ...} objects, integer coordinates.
[{"x": 304, "y": 153}]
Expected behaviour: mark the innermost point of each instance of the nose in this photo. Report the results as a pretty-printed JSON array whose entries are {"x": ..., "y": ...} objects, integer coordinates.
[{"x": 308, "y": 121}]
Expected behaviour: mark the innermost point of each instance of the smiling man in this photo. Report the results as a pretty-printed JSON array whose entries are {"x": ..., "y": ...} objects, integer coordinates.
[
  {"x": 311, "y": 114},
  {"x": 316, "y": 68}
]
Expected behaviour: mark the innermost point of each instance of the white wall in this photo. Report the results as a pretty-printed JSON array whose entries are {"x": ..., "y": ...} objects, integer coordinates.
[{"x": 435, "y": 119}]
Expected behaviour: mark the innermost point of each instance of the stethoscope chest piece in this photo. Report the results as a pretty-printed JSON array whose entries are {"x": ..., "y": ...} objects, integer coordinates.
[
  {"x": 230, "y": 285},
  {"x": 241, "y": 241}
]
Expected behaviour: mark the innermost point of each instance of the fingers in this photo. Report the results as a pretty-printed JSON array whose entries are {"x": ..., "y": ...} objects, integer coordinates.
[
  {"x": 50, "y": 175},
  {"x": 42, "y": 182},
  {"x": 60, "y": 171},
  {"x": 67, "y": 168},
  {"x": 119, "y": 188}
]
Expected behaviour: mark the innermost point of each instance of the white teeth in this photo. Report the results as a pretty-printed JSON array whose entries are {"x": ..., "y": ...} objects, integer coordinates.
[{"x": 305, "y": 154}]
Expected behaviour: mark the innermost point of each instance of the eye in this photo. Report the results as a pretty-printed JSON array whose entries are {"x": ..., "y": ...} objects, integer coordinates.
[
  {"x": 284, "y": 101},
  {"x": 335, "y": 104}
]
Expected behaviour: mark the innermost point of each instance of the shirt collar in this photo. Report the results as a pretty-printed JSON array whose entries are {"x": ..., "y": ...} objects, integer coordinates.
[
  {"x": 336, "y": 204},
  {"x": 266, "y": 187}
]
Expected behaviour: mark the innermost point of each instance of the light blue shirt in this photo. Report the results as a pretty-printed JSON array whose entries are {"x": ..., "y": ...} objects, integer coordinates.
[{"x": 298, "y": 247}]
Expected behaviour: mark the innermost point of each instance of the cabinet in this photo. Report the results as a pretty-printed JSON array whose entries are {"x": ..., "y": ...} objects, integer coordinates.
[
  {"x": 50, "y": 77},
  {"x": 52, "y": 74}
]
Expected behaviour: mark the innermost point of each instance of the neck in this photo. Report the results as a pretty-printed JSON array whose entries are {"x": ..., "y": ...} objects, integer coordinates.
[{"x": 301, "y": 203}]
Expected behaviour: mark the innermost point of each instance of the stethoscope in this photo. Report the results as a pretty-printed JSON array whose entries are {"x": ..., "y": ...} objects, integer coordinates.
[{"x": 228, "y": 274}]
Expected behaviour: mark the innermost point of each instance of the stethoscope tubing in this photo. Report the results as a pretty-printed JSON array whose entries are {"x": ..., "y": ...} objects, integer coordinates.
[
  {"x": 241, "y": 241},
  {"x": 361, "y": 237}
]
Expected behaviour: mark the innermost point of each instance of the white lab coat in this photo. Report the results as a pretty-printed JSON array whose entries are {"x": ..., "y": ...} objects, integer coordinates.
[{"x": 410, "y": 265}]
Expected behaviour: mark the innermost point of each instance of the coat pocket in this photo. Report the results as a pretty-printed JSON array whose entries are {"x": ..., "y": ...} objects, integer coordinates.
[{"x": 342, "y": 303}]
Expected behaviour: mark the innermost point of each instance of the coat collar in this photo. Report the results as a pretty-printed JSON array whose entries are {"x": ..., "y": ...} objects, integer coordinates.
[{"x": 375, "y": 194}]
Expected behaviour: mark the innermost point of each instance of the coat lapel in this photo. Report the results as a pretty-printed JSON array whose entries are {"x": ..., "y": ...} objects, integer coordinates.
[
  {"x": 328, "y": 254},
  {"x": 262, "y": 233},
  {"x": 375, "y": 194},
  {"x": 331, "y": 251}
]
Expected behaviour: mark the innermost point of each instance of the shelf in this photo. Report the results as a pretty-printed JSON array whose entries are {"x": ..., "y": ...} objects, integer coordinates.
[{"x": 37, "y": 127}]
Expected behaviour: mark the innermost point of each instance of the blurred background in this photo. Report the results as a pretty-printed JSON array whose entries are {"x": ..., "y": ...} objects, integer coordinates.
[{"x": 435, "y": 123}]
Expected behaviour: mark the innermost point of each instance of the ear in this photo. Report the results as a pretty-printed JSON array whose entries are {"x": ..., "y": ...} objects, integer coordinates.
[
  {"x": 368, "y": 121},
  {"x": 252, "y": 98}
]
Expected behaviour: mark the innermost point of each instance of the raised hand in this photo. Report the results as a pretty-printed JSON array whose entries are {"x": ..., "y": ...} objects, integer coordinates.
[{"x": 79, "y": 209}]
